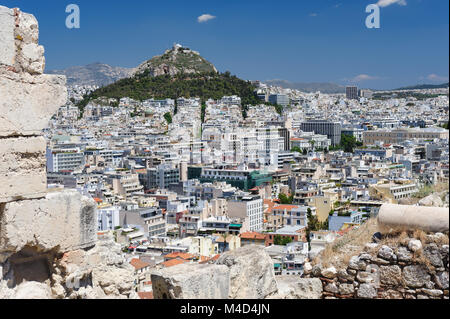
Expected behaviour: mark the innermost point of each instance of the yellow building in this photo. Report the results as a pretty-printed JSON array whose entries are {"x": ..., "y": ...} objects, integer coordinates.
[
  {"x": 324, "y": 204},
  {"x": 203, "y": 246}
]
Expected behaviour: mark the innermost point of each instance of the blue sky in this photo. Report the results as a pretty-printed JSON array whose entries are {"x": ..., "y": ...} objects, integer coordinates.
[{"x": 298, "y": 41}]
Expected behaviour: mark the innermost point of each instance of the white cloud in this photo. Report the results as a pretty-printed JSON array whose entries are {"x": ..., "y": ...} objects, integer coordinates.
[
  {"x": 363, "y": 77},
  {"x": 205, "y": 17},
  {"x": 313, "y": 14},
  {"x": 437, "y": 78},
  {"x": 385, "y": 3}
]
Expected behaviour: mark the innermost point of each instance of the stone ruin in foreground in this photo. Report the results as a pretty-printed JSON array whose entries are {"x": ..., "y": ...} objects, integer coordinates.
[
  {"x": 410, "y": 262},
  {"x": 48, "y": 240}
]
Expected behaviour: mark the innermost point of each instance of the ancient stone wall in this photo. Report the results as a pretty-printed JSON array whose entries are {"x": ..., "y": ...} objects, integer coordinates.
[
  {"x": 406, "y": 265},
  {"x": 404, "y": 268},
  {"x": 39, "y": 229}
]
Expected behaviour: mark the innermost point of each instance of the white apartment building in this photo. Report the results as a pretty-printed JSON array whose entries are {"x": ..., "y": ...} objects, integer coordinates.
[
  {"x": 59, "y": 160},
  {"x": 249, "y": 208},
  {"x": 108, "y": 218}
]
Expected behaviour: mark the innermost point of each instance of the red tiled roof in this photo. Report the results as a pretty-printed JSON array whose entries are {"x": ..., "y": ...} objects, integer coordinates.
[
  {"x": 184, "y": 256},
  {"x": 173, "y": 262},
  {"x": 270, "y": 203},
  {"x": 138, "y": 264},
  {"x": 210, "y": 259},
  {"x": 145, "y": 295},
  {"x": 252, "y": 235},
  {"x": 285, "y": 207}
]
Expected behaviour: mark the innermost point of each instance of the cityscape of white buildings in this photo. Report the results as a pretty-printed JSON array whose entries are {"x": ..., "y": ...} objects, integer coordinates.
[{"x": 201, "y": 184}]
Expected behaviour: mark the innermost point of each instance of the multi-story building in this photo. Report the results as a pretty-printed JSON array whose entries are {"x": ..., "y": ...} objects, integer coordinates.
[
  {"x": 64, "y": 159},
  {"x": 293, "y": 215},
  {"x": 331, "y": 129},
  {"x": 393, "y": 191},
  {"x": 280, "y": 99},
  {"x": 151, "y": 220},
  {"x": 366, "y": 93},
  {"x": 108, "y": 217},
  {"x": 126, "y": 184},
  {"x": 240, "y": 178},
  {"x": 351, "y": 92},
  {"x": 295, "y": 233},
  {"x": 248, "y": 208},
  {"x": 400, "y": 135},
  {"x": 160, "y": 177}
]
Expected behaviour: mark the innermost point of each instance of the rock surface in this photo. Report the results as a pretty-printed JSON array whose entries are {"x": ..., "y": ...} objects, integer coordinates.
[
  {"x": 432, "y": 200},
  {"x": 190, "y": 281},
  {"x": 252, "y": 275},
  {"x": 298, "y": 288},
  {"x": 47, "y": 239},
  {"x": 62, "y": 220},
  {"x": 390, "y": 270},
  {"x": 416, "y": 276},
  {"x": 367, "y": 291},
  {"x": 22, "y": 168},
  {"x": 174, "y": 61},
  {"x": 7, "y": 49},
  {"x": 98, "y": 273},
  {"x": 28, "y": 102}
]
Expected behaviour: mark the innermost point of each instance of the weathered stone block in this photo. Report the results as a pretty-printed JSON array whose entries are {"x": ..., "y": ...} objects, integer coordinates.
[
  {"x": 290, "y": 287},
  {"x": 367, "y": 291},
  {"x": 329, "y": 273},
  {"x": 391, "y": 275},
  {"x": 62, "y": 221},
  {"x": 7, "y": 46},
  {"x": 192, "y": 281},
  {"x": 28, "y": 102},
  {"x": 28, "y": 28},
  {"x": 346, "y": 289},
  {"x": 416, "y": 276},
  {"x": 331, "y": 287},
  {"x": 251, "y": 273},
  {"x": 22, "y": 168}
]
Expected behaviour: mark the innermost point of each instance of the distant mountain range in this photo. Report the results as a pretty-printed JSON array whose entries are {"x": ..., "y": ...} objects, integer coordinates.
[
  {"x": 424, "y": 87},
  {"x": 331, "y": 88},
  {"x": 174, "y": 61},
  {"x": 182, "y": 60},
  {"x": 93, "y": 74},
  {"x": 308, "y": 87}
]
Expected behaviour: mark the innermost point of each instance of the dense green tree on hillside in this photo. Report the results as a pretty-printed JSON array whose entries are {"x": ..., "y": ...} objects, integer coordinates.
[
  {"x": 205, "y": 86},
  {"x": 168, "y": 117}
]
